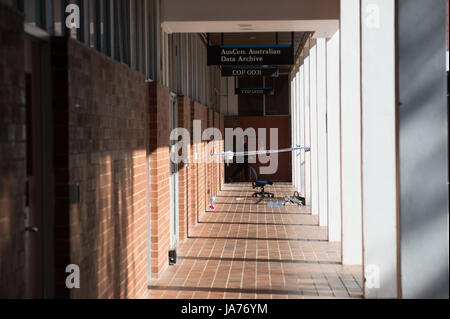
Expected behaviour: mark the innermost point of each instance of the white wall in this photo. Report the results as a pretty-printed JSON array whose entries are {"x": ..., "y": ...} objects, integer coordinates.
[
  {"x": 334, "y": 139},
  {"x": 351, "y": 133},
  {"x": 322, "y": 159}
]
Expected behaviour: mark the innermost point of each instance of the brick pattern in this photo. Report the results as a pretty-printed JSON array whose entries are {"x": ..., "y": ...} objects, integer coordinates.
[
  {"x": 12, "y": 154},
  {"x": 216, "y": 165},
  {"x": 230, "y": 122},
  {"x": 184, "y": 120},
  {"x": 192, "y": 179},
  {"x": 204, "y": 179},
  {"x": 222, "y": 149},
  {"x": 159, "y": 177},
  {"x": 101, "y": 129},
  {"x": 200, "y": 174},
  {"x": 209, "y": 174},
  {"x": 246, "y": 249}
]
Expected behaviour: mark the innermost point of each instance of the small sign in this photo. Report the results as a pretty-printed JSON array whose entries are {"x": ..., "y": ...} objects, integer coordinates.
[
  {"x": 280, "y": 54},
  {"x": 252, "y": 91},
  {"x": 242, "y": 71}
]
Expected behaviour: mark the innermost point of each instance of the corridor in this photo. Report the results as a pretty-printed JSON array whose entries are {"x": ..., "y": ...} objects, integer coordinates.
[
  {"x": 247, "y": 249},
  {"x": 124, "y": 120}
]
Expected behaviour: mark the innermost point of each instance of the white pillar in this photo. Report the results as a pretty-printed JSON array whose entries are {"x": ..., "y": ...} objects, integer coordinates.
[
  {"x": 334, "y": 139},
  {"x": 307, "y": 129},
  {"x": 294, "y": 125},
  {"x": 313, "y": 123},
  {"x": 300, "y": 156},
  {"x": 322, "y": 131},
  {"x": 379, "y": 147},
  {"x": 351, "y": 133},
  {"x": 297, "y": 132}
]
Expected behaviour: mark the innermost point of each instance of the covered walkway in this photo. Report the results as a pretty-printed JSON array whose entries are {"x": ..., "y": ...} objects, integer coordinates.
[
  {"x": 247, "y": 249},
  {"x": 122, "y": 120}
]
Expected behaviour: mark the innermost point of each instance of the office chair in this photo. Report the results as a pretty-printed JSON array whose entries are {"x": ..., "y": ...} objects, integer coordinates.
[{"x": 257, "y": 183}]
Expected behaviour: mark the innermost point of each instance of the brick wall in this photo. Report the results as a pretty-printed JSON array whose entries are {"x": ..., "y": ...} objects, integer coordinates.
[
  {"x": 100, "y": 129},
  {"x": 12, "y": 154},
  {"x": 282, "y": 123},
  {"x": 209, "y": 174},
  {"x": 159, "y": 176},
  {"x": 192, "y": 178},
  {"x": 222, "y": 149},
  {"x": 200, "y": 113},
  {"x": 184, "y": 120},
  {"x": 217, "y": 178}
]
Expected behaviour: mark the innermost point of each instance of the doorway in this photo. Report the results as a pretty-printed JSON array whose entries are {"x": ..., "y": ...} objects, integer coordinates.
[
  {"x": 39, "y": 205},
  {"x": 33, "y": 206}
]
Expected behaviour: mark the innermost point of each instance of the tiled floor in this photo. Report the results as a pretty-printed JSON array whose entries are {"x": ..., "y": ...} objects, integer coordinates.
[{"x": 246, "y": 249}]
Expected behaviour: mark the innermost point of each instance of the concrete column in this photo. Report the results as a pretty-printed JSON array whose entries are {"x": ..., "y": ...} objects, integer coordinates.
[
  {"x": 334, "y": 139},
  {"x": 313, "y": 124},
  {"x": 322, "y": 131},
  {"x": 379, "y": 148},
  {"x": 294, "y": 126},
  {"x": 300, "y": 156},
  {"x": 297, "y": 131},
  {"x": 307, "y": 130},
  {"x": 351, "y": 133}
]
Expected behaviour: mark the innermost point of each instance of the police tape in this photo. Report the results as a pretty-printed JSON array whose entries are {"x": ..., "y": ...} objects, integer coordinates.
[{"x": 231, "y": 154}]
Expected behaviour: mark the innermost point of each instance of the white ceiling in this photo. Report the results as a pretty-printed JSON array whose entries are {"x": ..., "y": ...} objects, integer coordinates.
[
  {"x": 321, "y": 28},
  {"x": 215, "y": 16}
]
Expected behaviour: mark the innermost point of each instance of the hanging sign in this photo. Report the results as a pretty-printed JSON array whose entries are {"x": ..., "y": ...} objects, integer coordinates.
[
  {"x": 280, "y": 54},
  {"x": 241, "y": 71},
  {"x": 254, "y": 91}
]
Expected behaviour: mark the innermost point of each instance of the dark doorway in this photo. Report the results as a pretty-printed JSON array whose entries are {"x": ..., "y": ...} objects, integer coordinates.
[
  {"x": 39, "y": 228},
  {"x": 33, "y": 213}
]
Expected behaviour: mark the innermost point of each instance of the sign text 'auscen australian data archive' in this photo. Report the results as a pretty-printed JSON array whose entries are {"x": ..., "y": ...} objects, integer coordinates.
[{"x": 233, "y": 55}]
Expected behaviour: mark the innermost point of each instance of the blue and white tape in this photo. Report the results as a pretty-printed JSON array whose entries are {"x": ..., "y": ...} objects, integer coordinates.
[{"x": 231, "y": 154}]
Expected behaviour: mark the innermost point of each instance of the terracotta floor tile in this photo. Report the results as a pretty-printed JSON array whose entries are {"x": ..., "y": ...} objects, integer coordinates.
[{"x": 246, "y": 249}]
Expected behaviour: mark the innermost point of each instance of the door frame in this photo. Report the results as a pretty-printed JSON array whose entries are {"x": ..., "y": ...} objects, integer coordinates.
[{"x": 41, "y": 41}]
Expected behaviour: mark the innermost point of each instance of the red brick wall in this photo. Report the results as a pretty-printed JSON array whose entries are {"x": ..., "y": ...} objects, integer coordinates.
[
  {"x": 184, "y": 120},
  {"x": 200, "y": 113},
  {"x": 217, "y": 178},
  {"x": 192, "y": 178},
  {"x": 222, "y": 149},
  {"x": 101, "y": 129},
  {"x": 159, "y": 177},
  {"x": 208, "y": 163},
  {"x": 12, "y": 154},
  {"x": 284, "y": 141}
]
